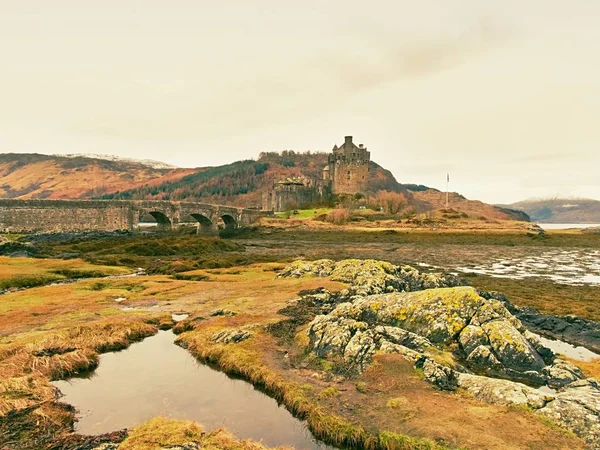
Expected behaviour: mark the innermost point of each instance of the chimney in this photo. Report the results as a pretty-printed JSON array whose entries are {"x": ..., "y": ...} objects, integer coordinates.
[
  {"x": 361, "y": 146},
  {"x": 348, "y": 140}
]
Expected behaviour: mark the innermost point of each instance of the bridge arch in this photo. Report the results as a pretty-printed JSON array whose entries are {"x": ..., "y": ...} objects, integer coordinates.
[
  {"x": 205, "y": 225},
  {"x": 161, "y": 219},
  {"x": 228, "y": 222}
]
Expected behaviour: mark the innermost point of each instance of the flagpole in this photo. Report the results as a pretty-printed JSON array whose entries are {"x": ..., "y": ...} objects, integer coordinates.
[{"x": 447, "y": 183}]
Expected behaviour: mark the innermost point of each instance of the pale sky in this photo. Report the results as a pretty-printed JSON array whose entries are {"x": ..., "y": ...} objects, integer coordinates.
[{"x": 502, "y": 94}]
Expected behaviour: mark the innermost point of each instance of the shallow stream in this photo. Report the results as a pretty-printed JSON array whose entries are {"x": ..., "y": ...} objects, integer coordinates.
[{"x": 156, "y": 377}]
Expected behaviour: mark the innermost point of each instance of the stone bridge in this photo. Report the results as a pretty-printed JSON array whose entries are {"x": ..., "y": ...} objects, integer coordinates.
[{"x": 111, "y": 215}]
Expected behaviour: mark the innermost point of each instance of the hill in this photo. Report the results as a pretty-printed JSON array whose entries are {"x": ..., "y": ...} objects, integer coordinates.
[
  {"x": 51, "y": 176},
  {"x": 242, "y": 183},
  {"x": 561, "y": 210},
  {"x": 436, "y": 200}
]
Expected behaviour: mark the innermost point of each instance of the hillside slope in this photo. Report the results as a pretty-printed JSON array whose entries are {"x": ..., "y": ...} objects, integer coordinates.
[
  {"x": 581, "y": 210},
  {"x": 242, "y": 183},
  {"x": 436, "y": 200},
  {"x": 44, "y": 176}
]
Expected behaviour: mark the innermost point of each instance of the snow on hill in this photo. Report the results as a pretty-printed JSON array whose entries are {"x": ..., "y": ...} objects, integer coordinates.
[{"x": 146, "y": 162}]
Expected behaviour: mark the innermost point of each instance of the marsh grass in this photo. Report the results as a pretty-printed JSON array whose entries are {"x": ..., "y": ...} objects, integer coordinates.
[
  {"x": 545, "y": 295},
  {"x": 153, "y": 434}
]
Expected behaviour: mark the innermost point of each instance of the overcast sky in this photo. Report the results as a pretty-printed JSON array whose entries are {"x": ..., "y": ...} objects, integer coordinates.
[{"x": 502, "y": 94}]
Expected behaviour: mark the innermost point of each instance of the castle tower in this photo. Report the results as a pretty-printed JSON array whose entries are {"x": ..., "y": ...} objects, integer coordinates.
[{"x": 348, "y": 168}]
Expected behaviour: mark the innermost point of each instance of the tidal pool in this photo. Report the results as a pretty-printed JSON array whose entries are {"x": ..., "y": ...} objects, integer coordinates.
[
  {"x": 156, "y": 377},
  {"x": 572, "y": 351}
]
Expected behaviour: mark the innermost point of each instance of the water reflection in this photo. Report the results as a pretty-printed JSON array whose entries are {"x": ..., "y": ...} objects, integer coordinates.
[
  {"x": 564, "y": 348},
  {"x": 155, "y": 377}
]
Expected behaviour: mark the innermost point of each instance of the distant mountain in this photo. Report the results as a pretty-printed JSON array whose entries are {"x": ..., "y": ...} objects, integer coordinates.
[
  {"x": 561, "y": 210},
  {"x": 145, "y": 162},
  {"x": 33, "y": 175}
]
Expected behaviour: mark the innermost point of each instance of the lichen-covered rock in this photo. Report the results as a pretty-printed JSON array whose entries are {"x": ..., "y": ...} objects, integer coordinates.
[
  {"x": 444, "y": 316},
  {"x": 300, "y": 268},
  {"x": 231, "y": 336},
  {"x": 472, "y": 337},
  {"x": 441, "y": 376},
  {"x": 578, "y": 409},
  {"x": 502, "y": 392},
  {"x": 511, "y": 347},
  {"x": 562, "y": 373},
  {"x": 368, "y": 277},
  {"x": 402, "y": 337},
  {"x": 361, "y": 348},
  {"x": 413, "y": 356},
  {"x": 547, "y": 355},
  {"x": 483, "y": 360},
  {"x": 437, "y": 314},
  {"x": 328, "y": 336}
]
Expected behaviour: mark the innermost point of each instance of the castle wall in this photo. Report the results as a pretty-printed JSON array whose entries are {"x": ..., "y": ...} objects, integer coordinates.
[
  {"x": 285, "y": 197},
  {"x": 350, "y": 178}
]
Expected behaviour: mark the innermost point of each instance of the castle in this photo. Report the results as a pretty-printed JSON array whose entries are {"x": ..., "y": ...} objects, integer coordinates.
[{"x": 346, "y": 173}]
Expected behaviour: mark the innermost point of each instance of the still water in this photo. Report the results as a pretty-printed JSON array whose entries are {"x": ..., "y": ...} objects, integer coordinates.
[
  {"x": 156, "y": 377},
  {"x": 567, "y": 226}
]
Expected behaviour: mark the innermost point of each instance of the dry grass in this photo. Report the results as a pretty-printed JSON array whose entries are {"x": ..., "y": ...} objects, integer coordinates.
[
  {"x": 591, "y": 369},
  {"x": 153, "y": 434}
]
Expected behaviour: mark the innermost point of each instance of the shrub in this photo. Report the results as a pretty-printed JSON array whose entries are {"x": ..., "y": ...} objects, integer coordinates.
[{"x": 338, "y": 216}]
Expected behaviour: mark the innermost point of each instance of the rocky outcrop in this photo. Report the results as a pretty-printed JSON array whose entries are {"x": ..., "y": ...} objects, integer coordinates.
[
  {"x": 491, "y": 339},
  {"x": 495, "y": 353},
  {"x": 368, "y": 277},
  {"x": 578, "y": 408}
]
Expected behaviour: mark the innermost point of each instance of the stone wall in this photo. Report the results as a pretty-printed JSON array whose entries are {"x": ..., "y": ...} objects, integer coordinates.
[
  {"x": 110, "y": 215},
  {"x": 64, "y": 215},
  {"x": 285, "y": 197}
]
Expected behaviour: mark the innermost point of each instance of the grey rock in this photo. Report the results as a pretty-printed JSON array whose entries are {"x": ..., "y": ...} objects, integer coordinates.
[
  {"x": 408, "y": 354},
  {"x": 484, "y": 360},
  {"x": 361, "y": 348},
  {"x": 511, "y": 347},
  {"x": 441, "y": 376},
  {"x": 472, "y": 337},
  {"x": 231, "y": 336},
  {"x": 578, "y": 409},
  {"x": 562, "y": 373},
  {"x": 402, "y": 337},
  {"x": 222, "y": 312},
  {"x": 502, "y": 392}
]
